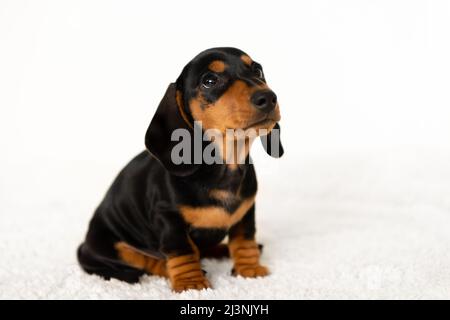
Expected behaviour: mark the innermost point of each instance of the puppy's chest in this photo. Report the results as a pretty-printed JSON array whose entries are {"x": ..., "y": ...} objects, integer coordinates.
[{"x": 219, "y": 209}]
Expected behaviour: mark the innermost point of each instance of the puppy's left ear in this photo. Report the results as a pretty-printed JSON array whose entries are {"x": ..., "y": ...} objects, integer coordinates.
[
  {"x": 169, "y": 117},
  {"x": 272, "y": 143}
]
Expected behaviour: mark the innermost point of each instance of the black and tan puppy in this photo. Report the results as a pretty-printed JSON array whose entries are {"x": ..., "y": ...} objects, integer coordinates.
[{"x": 159, "y": 217}]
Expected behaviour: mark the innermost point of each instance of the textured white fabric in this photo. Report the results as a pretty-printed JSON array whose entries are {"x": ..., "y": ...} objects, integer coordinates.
[{"x": 347, "y": 225}]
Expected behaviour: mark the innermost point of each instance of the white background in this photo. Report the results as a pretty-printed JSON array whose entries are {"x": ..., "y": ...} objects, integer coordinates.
[{"x": 364, "y": 94}]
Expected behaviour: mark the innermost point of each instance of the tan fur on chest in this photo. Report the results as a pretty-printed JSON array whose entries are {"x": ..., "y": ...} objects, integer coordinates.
[{"x": 215, "y": 216}]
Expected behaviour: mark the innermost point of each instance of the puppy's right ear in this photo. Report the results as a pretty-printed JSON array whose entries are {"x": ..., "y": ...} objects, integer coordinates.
[{"x": 168, "y": 117}]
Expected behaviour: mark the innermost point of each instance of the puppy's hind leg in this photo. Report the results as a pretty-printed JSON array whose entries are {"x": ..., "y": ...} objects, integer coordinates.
[
  {"x": 140, "y": 260},
  {"x": 107, "y": 268}
]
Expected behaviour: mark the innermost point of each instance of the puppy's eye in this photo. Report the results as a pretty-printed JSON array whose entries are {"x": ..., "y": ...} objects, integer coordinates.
[
  {"x": 209, "y": 80},
  {"x": 257, "y": 70}
]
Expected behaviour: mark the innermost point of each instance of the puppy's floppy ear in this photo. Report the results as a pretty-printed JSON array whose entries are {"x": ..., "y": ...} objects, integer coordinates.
[
  {"x": 272, "y": 143},
  {"x": 168, "y": 117}
]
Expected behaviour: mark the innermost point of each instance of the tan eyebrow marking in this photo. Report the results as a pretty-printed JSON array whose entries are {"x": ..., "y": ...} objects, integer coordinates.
[
  {"x": 246, "y": 59},
  {"x": 217, "y": 66}
]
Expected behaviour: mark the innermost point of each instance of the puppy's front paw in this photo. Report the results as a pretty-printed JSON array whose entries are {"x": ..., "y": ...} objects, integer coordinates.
[
  {"x": 185, "y": 273},
  {"x": 245, "y": 254},
  {"x": 250, "y": 271},
  {"x": 193, "y": 283}
]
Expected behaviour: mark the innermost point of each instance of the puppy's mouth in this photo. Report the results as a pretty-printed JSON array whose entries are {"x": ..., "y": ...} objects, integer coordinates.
[
  {"x": 265, "y": 122},
  {"x": 260, "y": 123}
]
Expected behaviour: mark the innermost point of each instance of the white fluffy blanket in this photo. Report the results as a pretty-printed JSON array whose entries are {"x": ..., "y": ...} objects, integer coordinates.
[{"x": 348, "y": 225}]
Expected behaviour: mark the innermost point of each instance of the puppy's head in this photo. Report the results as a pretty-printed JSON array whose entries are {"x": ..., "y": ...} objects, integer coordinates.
[{"x": 224, "y": 89}]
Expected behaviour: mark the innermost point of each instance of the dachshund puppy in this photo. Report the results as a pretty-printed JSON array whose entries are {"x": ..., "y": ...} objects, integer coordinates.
[{"x": 161, "y": 216}]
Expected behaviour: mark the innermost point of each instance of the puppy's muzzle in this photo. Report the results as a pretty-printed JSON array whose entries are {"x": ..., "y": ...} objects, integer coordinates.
[{"x": 264, "y": 100}]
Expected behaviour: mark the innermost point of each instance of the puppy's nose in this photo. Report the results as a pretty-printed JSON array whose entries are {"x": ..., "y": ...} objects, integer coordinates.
[{"x": 264, "y": 100}]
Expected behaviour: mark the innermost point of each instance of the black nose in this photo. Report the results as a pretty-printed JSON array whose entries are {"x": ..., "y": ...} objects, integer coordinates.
[{"x": 264, "y": 100}]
